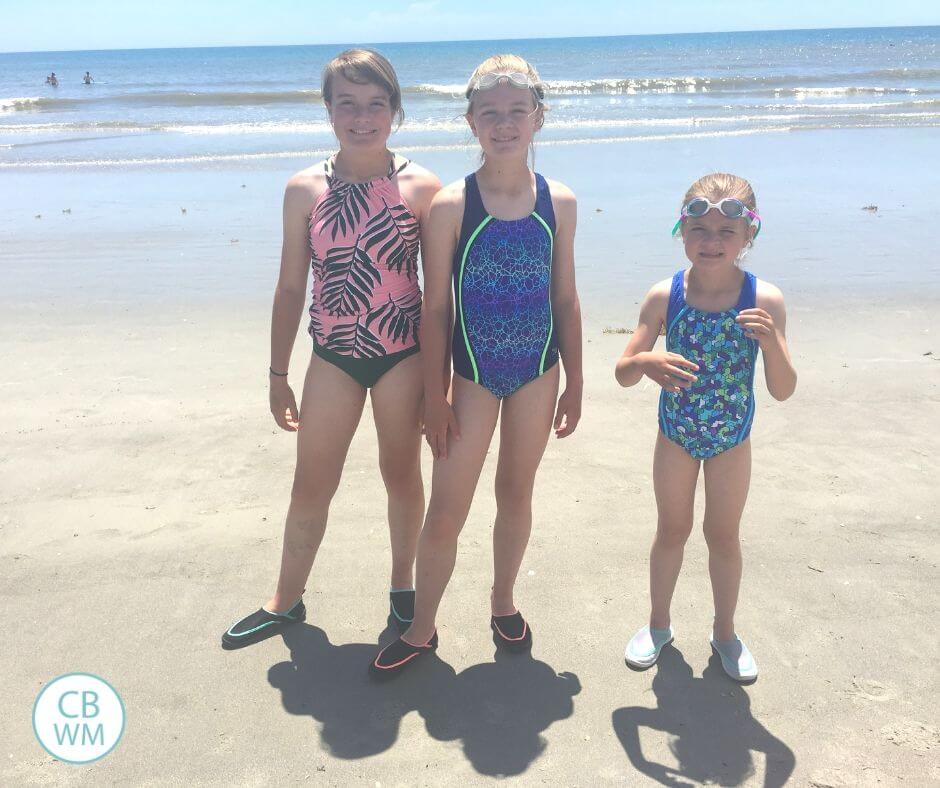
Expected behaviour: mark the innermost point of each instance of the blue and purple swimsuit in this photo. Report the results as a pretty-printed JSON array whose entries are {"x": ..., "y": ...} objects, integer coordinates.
[
  {"x": 504, "y": 333},
  {"x": 715, "y": 413}
]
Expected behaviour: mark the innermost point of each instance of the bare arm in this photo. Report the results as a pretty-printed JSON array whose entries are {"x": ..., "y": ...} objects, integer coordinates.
[
  {"x": 419, "y": 186},
  {"x": 767, "y": 323},
  {"x": 439, "y": 240},
  {"x": 566, "y": 309},
  {"x": 289, "y": 297},
  {"x": 669, "y": 370}
]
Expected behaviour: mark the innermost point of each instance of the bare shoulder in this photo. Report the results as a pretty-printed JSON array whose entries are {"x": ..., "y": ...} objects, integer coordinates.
[
  {"x": 563, "y": 198},
  {"x": 560, "y": 192},
  {"x": 418, "y": 185},
  {"x": 658, "y": 295},
  {"x": 306, "y": 186},
  {"x": 768, "y": 296},
  {"x": 449, "y": 200},
  {"x": 420, "y": 176}
]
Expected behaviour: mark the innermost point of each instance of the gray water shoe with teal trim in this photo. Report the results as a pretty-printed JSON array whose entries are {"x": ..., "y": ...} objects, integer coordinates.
[{"x": 261, "y": 625}]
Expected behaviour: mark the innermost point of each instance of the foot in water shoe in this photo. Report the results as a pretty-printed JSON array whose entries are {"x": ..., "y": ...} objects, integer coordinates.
[
  {"x": 511, "y": 632},
  {"x": 644, "y": 647},
  {"x": 397, "y": 656},
  {"x": 736, "y": 660},
  {"x": 261, "y": 625},
  {"x": 401, "y": 607}
]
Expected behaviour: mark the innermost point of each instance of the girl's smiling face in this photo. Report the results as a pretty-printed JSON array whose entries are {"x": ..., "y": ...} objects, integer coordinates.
[
  {"x": 714, "y": 240},
  {"x": 361, "y": 114},
  {"x": 504, "y": 119}
]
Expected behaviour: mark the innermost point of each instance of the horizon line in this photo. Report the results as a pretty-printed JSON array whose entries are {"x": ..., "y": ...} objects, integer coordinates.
[{"x": 464, "y": 40}]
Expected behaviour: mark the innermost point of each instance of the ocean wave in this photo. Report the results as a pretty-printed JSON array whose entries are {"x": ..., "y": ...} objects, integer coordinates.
[
  {"x": 915, "y": 120},
  {"x": 706, "y": 84},
  {"x": 845, "y": 90},
  {"x": 18, "y": 103},
  {"x": 762, "y": 113},
  {"x": 875, "y": 82},
  {"x": 309, "y": 154},
  {"x": 870, "y": 105},
  {"x": 168, "y": 99}
]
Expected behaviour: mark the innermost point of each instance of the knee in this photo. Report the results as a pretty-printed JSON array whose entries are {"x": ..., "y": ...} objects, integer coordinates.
[
  {"x": 722, "y": 541},
  {"x": 672, "y": 534},
  {"x": 442, "y": 524},
  {"x": 401, "y": 478},
  {"x": 513, "y": 498},
  {"x": 312, "y": 492}
]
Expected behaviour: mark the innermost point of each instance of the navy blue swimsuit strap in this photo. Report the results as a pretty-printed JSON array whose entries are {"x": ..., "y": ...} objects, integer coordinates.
[
  {"x": 746, "y": 300},
  {"x": 748, "y": 297},
  {"x": 473, "y": 211},
  {"x": 543, "y": 202},
  {"x": 676, "y": 296}
]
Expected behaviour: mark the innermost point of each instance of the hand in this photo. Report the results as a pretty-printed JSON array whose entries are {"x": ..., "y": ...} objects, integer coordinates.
[
  {"x": 283, "y": 405},
  {"x": 666, "y": 369},
  {"x": 758, "y": 325},
  {"x": 568, "y": 412},
  {"x": 438, "y": 419}
]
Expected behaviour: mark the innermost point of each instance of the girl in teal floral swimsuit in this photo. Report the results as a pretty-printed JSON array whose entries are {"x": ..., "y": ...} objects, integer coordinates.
[{"x": 716, "y": 317}]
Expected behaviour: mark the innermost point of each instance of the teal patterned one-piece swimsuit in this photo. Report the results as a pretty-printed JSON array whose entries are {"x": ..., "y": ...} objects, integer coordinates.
[{"x": 715, "y": 413}]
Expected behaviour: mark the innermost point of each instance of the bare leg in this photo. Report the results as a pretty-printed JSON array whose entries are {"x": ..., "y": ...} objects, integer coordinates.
[
  {"x": 396, "y": 407},
  {"x": 674, "y": 475},
  {"x": 453, "y": 483},
  {"x": 524, "y": 428},
  {"x": 329, "y": 412},
  {"x": 727, "y": 478}
]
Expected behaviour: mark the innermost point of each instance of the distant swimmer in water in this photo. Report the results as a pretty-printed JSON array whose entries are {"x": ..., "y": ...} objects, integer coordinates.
[
  {"x": 87, "y": 78},
  {"x": 53, "y": 80}
]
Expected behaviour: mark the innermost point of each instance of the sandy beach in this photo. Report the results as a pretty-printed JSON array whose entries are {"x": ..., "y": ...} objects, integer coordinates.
[{"x": 144, "y": 486}]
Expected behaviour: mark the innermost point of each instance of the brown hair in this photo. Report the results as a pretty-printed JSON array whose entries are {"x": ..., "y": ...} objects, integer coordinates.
[
  {"x": 499, "y": 63},
  {"x": 364, "y": 67},
  {"x": 718, "y": 185}
]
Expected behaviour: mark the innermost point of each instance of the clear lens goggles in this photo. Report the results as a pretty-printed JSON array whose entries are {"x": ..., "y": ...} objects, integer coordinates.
[
  {"x": 729, "y": 207},
  {"x": 515, "y": 78}
]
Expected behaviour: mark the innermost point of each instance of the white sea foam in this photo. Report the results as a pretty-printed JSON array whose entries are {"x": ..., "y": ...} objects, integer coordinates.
[{"x": 23, "y": 102}]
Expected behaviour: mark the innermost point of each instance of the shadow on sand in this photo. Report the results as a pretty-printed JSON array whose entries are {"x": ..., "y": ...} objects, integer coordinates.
[
  {"x": 711, "y": 730},
  {"x": 497, "y": 710}
]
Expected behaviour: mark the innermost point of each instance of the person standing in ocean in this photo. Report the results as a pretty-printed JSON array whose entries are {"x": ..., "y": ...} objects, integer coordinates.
[{"x": 355, "y": 220}]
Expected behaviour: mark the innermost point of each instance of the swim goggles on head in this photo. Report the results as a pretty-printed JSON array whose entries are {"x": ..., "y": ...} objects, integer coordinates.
[
  {"x": 493, "y": 78},
  {"x": 729, "y": 207}
]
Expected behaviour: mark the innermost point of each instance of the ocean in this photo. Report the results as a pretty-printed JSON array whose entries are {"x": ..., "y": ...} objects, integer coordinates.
[{"x": 256, "y": 106}]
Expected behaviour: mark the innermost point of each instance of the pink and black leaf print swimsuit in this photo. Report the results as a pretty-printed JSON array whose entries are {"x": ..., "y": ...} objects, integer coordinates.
[{"x": 366, "y": 304}]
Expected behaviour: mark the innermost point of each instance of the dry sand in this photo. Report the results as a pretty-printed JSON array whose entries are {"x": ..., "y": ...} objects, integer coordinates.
[{"x": 141, "y": 503}]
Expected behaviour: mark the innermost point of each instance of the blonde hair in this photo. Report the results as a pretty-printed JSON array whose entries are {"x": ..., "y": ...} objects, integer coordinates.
[
  {"x": 506, "y": 63},
  {"x": 364, "y": 67},
  {"x": 718, "y": 185}
]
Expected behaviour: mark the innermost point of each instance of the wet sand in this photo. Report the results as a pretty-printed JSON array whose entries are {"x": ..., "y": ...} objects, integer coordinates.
[{"x": 144, "y": 486}]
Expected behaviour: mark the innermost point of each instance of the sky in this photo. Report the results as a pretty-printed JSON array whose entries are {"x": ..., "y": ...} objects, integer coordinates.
[{"x": 53, "y": 25}]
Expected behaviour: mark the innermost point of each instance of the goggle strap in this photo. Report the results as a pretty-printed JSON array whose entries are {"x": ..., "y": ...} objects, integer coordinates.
[{"x": 678, "y": 224}]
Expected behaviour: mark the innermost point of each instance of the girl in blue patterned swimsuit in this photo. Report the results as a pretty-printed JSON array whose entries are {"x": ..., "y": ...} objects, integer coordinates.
[
  {"x": 716, "y": 317},
  {"x": 499, "y": 251}
]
